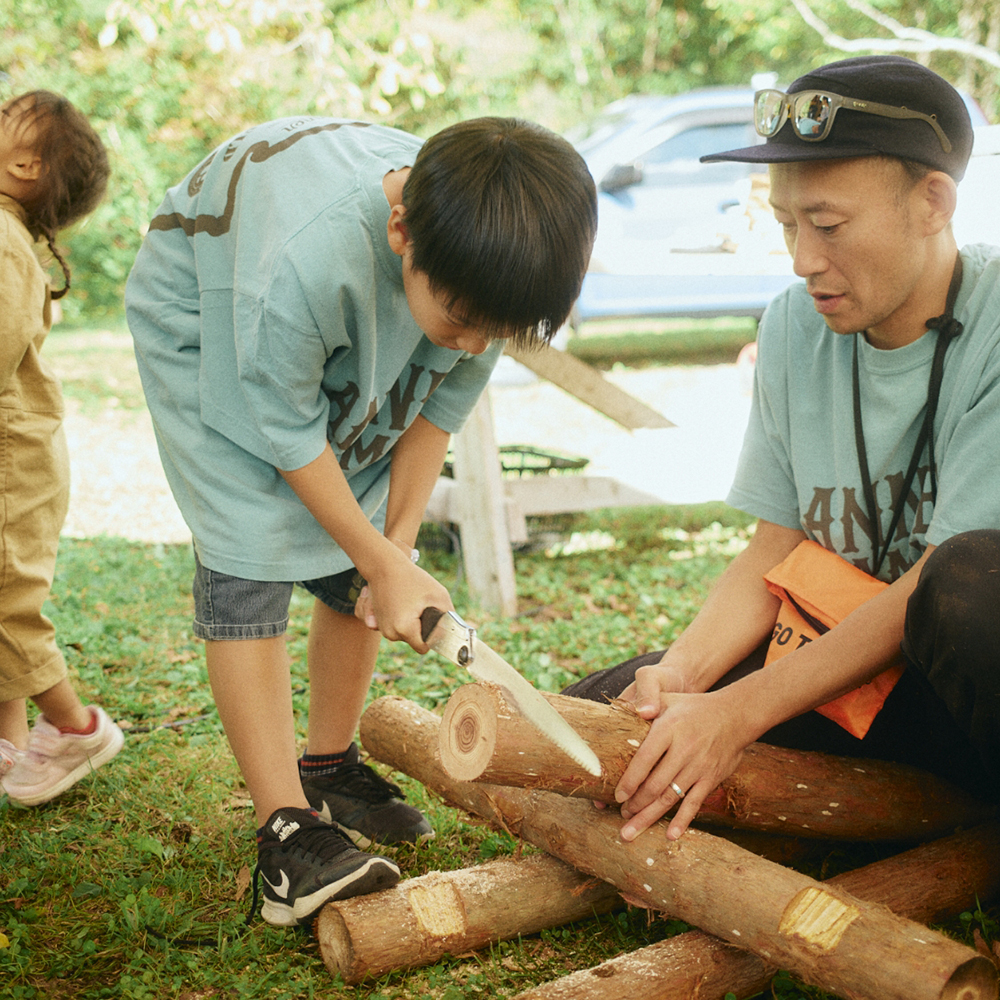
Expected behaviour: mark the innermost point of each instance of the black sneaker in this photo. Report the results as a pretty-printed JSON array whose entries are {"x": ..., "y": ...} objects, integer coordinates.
[
  {"x": 305, "y": 863},
  {"x": 365, "y": 806}
]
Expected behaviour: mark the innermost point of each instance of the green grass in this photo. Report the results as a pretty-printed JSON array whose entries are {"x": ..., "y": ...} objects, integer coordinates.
[
  {"x": 643, "y": 342},
  {"x": 152, "y": 846},
  {"x": 133, "y": 883},
  {"x": 97, "y": 368}
]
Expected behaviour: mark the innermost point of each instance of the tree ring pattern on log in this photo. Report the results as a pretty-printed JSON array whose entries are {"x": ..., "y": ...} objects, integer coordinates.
[{"x": 468, "y": 734}]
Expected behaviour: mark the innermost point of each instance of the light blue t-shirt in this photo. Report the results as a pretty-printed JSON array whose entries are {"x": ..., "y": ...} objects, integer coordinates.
[
  {"x": 269, "y": 317},
  {"x": 799, "y": 463}
]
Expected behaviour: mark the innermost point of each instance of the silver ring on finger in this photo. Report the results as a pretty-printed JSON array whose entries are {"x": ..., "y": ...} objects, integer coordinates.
[{"x": 677, "y": 790}]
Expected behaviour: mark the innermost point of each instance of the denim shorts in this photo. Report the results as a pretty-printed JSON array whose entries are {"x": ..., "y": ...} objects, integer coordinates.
[{"x": 228, "y": 607}]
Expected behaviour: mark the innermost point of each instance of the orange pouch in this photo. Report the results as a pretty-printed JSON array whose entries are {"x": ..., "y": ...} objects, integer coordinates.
[{"x": 818, "y": 589}]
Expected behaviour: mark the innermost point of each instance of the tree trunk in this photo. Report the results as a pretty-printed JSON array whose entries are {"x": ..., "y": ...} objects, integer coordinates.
[
  {"x": 822, "y": 934},
  {"x": 422, "y": 919},
  {"x": 796, "y": 792}
]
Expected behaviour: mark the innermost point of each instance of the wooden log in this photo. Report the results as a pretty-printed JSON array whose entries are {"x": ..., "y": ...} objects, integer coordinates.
[
  {"x": 421, "y": 920},
  {"x": 930, "y": 883},
  {"x": 798, "y": 792},
  {"x": 824, "y": 935},
  {"x": 693, "y": 964}
]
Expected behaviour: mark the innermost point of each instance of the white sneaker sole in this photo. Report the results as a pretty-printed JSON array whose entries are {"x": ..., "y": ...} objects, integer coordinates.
[{"x": 377, "y": 874}]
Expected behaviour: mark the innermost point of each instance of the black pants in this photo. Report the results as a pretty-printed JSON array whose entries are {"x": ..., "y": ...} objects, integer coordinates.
[{"x": 943, "y": 715}]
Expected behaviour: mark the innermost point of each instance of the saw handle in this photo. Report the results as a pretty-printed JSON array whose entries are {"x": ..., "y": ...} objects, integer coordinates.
[{"x": 429, "y": 618}]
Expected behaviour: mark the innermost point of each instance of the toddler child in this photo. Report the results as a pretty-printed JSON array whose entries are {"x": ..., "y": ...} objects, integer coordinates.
[{"x": 53, "y": 171}]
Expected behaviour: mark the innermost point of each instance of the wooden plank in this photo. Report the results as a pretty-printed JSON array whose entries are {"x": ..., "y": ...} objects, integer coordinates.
[
  {"x": 589, "y": 386},
  {"x": 566, "y": 493},
  {"x": 542, "y": 495},
  {"x": 444, "y": 508},
  {"x": 481, "y": 513}
]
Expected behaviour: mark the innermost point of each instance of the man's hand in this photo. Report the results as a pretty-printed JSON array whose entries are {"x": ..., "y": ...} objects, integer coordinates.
[{"x": 691, "y": 744}]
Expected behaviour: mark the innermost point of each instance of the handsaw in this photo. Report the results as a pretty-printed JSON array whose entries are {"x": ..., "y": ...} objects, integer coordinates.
[{"x": 456, "y": 641}]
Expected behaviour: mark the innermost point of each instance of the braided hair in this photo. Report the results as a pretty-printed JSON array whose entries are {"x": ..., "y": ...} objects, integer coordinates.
[{"x": 75, "y": 168}]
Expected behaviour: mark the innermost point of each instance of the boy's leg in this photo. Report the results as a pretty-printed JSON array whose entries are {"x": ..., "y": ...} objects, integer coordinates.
[
  {"x": 347, "y": 793},
  {"x": 251, "y": 684},
  {"x": 342, "y": 654},
  {"x": 303, "y": 861}
]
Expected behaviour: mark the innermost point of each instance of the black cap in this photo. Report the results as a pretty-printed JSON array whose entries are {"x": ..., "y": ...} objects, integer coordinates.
[{"x": 891, "y": 80}]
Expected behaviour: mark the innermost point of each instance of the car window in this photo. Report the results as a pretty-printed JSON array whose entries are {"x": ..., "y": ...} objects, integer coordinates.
[
  {"x": 591, "y": 134},
  {"x": 677, "y": 159}
]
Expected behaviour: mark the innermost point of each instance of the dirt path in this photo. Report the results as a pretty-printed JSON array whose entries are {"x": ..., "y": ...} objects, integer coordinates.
[{"x": 118, "y": 487}]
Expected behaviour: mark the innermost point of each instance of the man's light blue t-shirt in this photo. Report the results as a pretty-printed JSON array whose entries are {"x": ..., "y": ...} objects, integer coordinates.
[
  {"x": 799, "y": 463},
  {"x": 269, "y": 318}
]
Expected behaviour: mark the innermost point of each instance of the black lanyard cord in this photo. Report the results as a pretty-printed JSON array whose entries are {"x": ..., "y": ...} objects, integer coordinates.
[{"x": 947, "y": 329}]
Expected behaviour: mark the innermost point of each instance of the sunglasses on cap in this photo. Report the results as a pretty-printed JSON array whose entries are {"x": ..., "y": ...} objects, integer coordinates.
[{"x": 812, "y": 113}]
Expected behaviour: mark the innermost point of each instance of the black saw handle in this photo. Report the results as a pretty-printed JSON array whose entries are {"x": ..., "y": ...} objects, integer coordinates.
[{"x": 429, "y": 618}]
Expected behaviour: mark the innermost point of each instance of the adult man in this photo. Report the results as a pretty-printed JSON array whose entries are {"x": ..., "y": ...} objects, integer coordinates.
[{"x": 864, "y": 159}]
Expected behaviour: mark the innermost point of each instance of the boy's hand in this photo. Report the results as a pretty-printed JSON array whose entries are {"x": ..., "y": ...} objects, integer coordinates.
[{"x": 394, "y": 600}]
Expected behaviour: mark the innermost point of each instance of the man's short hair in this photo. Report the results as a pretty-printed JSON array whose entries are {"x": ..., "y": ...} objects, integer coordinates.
[
  {"x": 501, "y": 215},
  {"x": 885, "y": 80}
]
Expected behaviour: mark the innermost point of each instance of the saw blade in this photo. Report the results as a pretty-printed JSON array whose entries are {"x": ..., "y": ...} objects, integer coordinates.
[
  {"x": 487, "y": 665},
  {"x": 457, "y": 641}
]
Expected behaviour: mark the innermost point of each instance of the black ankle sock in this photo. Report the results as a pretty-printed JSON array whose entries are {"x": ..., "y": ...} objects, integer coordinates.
[{"x": 320, "y": 765}]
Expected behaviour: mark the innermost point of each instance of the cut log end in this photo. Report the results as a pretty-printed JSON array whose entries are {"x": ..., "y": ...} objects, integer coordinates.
[
  {"x": 468, "y": 734},
  {"x": 338, "y": 950},
  {"x": 976, "y": 979}
]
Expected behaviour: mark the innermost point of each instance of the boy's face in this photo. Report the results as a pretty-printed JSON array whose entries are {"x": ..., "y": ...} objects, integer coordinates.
[
  {"x": 430, "y": 313},
  {"x": 856, "y": 234}
]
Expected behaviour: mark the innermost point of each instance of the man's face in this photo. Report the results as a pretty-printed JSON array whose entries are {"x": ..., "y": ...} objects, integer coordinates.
[
  {"x": 431, "y": 314},
  {"x": 852, "y": 228}
]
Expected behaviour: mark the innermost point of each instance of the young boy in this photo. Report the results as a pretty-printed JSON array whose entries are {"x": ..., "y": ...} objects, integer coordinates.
[{"x": 315, "y": 309}]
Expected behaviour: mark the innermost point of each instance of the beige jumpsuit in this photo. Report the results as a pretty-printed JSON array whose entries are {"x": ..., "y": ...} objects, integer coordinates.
[{"x": 34, "y": 467}]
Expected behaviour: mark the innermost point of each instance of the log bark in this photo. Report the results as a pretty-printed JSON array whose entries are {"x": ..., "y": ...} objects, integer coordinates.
[
  {"x": 797, "y": 792},
  {"x": 423, "y": 919},
  {"x": 824, "y": 935},
  {"x": 930, "y": 883}
]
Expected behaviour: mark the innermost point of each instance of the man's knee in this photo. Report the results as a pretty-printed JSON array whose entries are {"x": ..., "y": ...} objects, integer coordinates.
[
  {"x": 971, "y": 551},
  {"x": 959, "y": 586},
  {"x": 952, "y": 639}
]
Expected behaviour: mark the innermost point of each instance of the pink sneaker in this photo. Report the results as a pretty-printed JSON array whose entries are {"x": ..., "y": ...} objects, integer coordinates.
[
  {"x": 9, "y": 756},
  {"x": 55, "y": 761}
]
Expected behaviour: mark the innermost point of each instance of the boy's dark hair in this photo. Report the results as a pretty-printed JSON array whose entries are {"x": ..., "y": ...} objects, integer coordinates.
[
  {"x": 501, "y": 216},
  {"x": 75, "y": 167}
]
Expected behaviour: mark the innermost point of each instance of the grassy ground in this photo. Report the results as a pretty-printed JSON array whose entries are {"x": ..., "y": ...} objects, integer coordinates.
[
  {"x": 643, "y": 342},
  {"x": 135, "y": 883}
]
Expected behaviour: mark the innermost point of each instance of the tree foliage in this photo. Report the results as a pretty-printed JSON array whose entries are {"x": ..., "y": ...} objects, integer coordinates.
[{"x": 166, "y": 80}]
